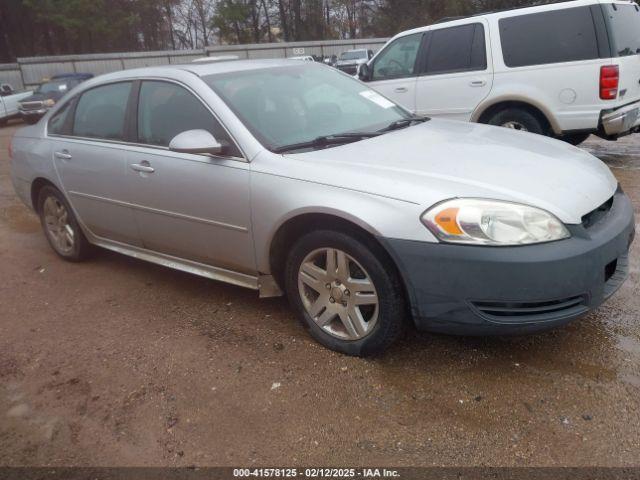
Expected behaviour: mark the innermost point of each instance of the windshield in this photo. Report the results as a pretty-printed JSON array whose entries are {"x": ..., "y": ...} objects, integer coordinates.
[
  {"x": 295, "y": 104},
  {"x": 624, "y": 21},
  {"x": 353, "y": 55},
  {"x": 59, "y": 86}
]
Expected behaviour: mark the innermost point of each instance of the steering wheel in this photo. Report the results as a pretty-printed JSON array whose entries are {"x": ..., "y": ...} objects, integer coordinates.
[{"x": 400, "y": 66}]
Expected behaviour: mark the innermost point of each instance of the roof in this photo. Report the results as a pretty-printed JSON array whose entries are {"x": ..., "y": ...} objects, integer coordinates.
[
  {"x": 83, "y": 76},
  {"x": 201, "y": 69},
  {"x": 522, "y": 10}
]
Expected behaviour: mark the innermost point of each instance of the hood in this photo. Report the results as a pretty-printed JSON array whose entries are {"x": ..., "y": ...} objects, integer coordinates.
[
  {"x": 441, "y": 159},
  {"x": 40, "y": 97}
]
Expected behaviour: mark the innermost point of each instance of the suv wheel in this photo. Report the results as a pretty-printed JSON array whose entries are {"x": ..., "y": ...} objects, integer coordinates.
[
  {"x": 60, "y": 226},
  {"x": 348, "y": 299},
  {"x": 576, "y": 138},
  {"x": 517, "y": 119}
]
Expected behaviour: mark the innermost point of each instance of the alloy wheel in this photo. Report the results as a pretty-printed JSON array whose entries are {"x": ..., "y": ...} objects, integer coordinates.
[
  {"x": 515, "y": 126},
  {"x": 56, "y": 219},
  {"x": 338, "y": 294}
]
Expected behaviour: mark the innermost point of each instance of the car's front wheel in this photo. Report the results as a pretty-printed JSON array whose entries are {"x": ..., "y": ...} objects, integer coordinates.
[
  {"x": 60, "y": 226},
  {"x": 346, "y": 292}
]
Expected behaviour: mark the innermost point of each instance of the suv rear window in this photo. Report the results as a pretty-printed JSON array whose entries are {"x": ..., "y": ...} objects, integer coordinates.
[
  {"x": 555, "y": 36},
  {"x": 624, "y": 28}
]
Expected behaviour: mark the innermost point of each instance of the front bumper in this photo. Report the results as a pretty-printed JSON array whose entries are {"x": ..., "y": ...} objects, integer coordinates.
[
  {"x": 34, "y": 113},
  {"x": 474, "y": 290},
  {"x": 623, "y": 120}
]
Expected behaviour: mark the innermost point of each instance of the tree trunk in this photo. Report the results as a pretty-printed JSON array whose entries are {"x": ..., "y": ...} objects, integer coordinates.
[
  {"x": 266, "y": 16},
  {"x": 283, "y": 21}
]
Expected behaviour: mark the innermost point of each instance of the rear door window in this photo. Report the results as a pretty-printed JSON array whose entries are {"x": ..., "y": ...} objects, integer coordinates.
[
  {"x": 101, "y": 111},
  {"x": 555, "y": 36},
  {"x": 59, "y": 122},
  {"x": 456, "y": 49},
  {"x": 624, "y": 28}
]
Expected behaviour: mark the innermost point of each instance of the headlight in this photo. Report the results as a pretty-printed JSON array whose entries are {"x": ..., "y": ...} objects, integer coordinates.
[
  {"x": 49, "y": 102},
  {"x": 492, "y": 222}
]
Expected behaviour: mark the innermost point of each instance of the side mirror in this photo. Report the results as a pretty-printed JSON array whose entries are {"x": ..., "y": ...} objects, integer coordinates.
[
  {"x": 196, "y": 141},
  {"x": 364, "y": 72}
]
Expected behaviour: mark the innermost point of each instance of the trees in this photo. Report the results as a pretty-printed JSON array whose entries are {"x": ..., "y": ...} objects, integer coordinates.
[{"x": 51, "y": 27}]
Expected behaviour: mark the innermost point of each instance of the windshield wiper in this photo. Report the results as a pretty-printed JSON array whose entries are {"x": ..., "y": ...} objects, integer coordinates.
[
  {"x": 405, "y": 122},
  {"x": 327, "y": 140}
]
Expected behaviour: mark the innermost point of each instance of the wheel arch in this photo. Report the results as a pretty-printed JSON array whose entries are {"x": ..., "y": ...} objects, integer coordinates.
[
  {"x": 36, "y": 187},
  {"x": 484, "y": 112},
  {"x": 294, "y": 227}
]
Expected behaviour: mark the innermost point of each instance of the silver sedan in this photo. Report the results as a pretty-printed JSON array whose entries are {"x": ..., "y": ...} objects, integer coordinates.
[{"x": 285, "y": 176}]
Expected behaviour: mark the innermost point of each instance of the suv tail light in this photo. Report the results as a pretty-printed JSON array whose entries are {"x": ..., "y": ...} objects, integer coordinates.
[{"x": 609, "y": 80}]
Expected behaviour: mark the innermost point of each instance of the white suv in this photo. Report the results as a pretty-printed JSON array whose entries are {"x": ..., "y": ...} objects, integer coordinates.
[{"x": 565, "y": 70}]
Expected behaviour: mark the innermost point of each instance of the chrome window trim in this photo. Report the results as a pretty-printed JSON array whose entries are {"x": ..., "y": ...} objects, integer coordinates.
[{"x": 244, "y": 158}]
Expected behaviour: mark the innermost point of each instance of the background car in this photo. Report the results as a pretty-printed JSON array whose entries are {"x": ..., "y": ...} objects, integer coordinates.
[
  {"x": 350, "y": 61},
  {"x": 9, "y": 100},
  {"x": 330, "y": 60},
  {"x": 567, "y": 69},
  {"x": 305, "y": 58},
  {"x": 34, "y": 107}
]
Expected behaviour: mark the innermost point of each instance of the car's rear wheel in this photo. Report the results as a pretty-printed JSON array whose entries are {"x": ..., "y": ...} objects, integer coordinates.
[
  {"x": 345, "y": 293},
  {"x": 60, "y": 226},
  {"x": 517, "y": 119}
]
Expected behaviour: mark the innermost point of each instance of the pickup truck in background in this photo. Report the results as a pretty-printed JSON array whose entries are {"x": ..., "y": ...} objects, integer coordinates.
[
  {"x": 46, "y": 95},
  {"x": 9, "y": 100}
]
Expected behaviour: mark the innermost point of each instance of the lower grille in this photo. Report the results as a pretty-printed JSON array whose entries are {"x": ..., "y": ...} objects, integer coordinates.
[
  {"x": 615, "y": 273},
  {"x": 524, "y": 312},
  {"x": 31, "y": 105},
  {"x": 598, "y": 214}
]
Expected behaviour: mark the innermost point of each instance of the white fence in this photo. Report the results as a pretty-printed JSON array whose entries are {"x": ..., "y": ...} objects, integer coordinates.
[{"x": 30, "y": 71}]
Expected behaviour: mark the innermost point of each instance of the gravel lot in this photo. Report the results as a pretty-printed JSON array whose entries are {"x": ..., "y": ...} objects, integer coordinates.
[{"x": 119, "y": 362}]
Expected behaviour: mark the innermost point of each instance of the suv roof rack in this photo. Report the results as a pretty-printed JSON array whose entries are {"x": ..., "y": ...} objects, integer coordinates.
[{"x": 489, "y": 12}]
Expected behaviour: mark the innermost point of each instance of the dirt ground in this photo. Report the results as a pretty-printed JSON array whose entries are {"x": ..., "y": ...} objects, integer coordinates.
[{"x": 118, "y": 362}]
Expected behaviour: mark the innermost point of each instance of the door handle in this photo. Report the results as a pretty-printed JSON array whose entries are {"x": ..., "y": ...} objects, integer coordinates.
[
  {"x": 401, "y": 90},
  {"x": 478, "y": 83},
  {"x": 144, "y": 167},
  {"x": 63, "y": 155}
]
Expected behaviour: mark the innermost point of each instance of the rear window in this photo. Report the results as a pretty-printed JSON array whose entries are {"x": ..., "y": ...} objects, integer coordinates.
[
  {"x": 556, "y": 36},
  {"x": 100, "y": 112},
  {"x": 624, "y": 28}
]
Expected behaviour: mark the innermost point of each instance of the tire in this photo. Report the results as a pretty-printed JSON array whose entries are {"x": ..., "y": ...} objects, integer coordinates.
[
  {"x": 517, "y": 119},
  {"x": 576, "y": 138},
  {"x": 371, "y": 278},
  {"x": 31, "y": 120},
  {"x": 61, "y": 227}
]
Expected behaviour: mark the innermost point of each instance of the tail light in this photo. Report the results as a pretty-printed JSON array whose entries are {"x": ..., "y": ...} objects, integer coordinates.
[{"x": 609, "y": 81}]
